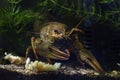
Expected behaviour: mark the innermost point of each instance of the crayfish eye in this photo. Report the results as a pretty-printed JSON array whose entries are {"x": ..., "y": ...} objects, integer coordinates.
[{"x": 57, "y": 31}]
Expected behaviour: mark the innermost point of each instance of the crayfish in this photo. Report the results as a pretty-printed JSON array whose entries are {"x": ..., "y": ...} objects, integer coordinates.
[{"x": 52, "y": 33}]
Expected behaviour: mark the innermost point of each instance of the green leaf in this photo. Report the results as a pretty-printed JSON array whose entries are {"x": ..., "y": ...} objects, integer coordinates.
[{"x": 106, "y": 1}]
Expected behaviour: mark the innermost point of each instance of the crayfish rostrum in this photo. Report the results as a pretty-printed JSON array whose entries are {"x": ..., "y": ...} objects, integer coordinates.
[{"x": 52, "y": 33}]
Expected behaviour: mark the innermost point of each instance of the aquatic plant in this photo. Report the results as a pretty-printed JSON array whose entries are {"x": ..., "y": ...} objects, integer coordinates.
[
  {"x": 67, "y": 8},
  {"x": 64, "y": 9},
  {"x": 99, "y": 11},
  {"x": 108, "y": 11},
  {"x": 13, "y": 25}
]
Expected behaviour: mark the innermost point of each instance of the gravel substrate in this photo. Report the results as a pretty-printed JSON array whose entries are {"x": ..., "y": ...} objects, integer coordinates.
[{"x": 18, "y": 72}]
